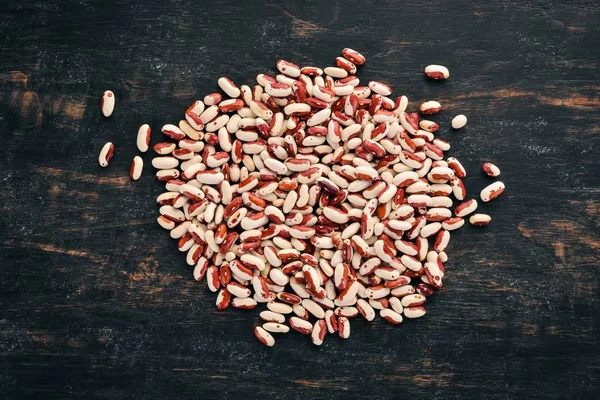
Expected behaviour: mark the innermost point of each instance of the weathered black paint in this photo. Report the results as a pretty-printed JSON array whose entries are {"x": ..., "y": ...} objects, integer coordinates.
[{"x": 95, "y": 300}]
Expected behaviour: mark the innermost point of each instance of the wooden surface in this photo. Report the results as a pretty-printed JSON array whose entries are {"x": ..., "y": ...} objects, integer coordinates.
[{"x": 95, "y": 300}]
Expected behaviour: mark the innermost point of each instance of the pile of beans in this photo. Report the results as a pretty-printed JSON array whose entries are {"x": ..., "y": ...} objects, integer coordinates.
[{"x": 315, "y": 196}]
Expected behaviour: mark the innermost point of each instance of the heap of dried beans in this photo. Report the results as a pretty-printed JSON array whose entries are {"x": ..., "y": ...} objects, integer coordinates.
[{"x": 311, "y": 194}]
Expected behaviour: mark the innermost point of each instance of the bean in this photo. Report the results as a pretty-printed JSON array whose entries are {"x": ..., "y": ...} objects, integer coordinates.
[
  {"x": 312, "y": 307},
  {"x": 173, "y": 132},
  {"x": 380, "y": 88},
  {"x": 459, "y": 121},
  {"x": 108, "y": 103},
  {"x": 353, "y": 56},
  {"x": 288, "y": 68},
  {"x": 263, "y": 336},
  {"x": 280, "y": 308},
  {"x": 318, "y": 332},
  {"x": 453, "y": 223},
  {"x": 164, "y": 148},
  {"x": 414, "y": 312},
  {"x": 492, "y": 191},
  {"x": 165, "y": 162},
  {"x": 430, "y": 107},
  {"x": 276, "y": 327},
  {"x": 336, "y": 72},
  {"x": 244, "y": 303},
  {"x": 438, "y": 72},
  {"x": 143, "y": 138},
  {"x": 106, "y": 154},
  {"x": 343, "y": 327},
  {"x": 429, "y": 126},
  {"x": 491, "y": 170},
  {"x": 300, "y": 325},
  {"x": 136, "y": 168},
  {"x": 480, "y": 219},
  {"x": 391, "y": 316},
  {"x": 228, "y": 87}
]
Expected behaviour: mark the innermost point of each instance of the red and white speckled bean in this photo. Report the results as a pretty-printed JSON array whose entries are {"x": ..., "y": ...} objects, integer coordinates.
[
  {"x": 137, "y": 165},
  {"x": 414, "y": 312},
  {"x": 391, "y": 316},
  {"x": 107, "y": 152},
  {"x": 318, "y": 333},
  {"x": 430, "y": 107},
  {"x": 263, "y": 336},
  {"x": 143, "y": 138},
  {"x": 300, "y": 325},
  {"x": 491, "y": 170},
  {"x": 228, "y": 87},
  {"x": 438, "y": 72},
  {"x": 108, "y": 103},
  {"x": 480, "y": 219},
  {"x": 492, "y": 191}
]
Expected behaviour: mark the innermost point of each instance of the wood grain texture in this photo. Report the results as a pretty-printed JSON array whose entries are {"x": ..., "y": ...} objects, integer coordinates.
[{"x": 95, "y": 300}]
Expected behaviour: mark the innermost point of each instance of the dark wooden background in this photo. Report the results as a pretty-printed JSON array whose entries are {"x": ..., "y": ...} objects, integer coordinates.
[{"x": 95, "y": 300}]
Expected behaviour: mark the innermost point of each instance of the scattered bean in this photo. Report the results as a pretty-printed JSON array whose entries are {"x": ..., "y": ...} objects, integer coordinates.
[
  {"x": 108, "y": 103},
  {"x": 459, "y": 121}
]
